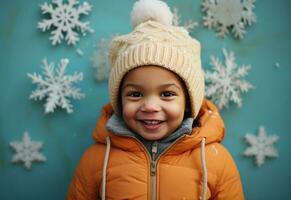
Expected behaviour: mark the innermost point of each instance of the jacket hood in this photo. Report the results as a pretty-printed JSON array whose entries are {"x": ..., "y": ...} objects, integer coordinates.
[{"x": 208, "y": 125}]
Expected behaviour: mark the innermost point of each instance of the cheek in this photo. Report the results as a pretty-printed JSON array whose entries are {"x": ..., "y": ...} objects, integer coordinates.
[
  {"x": 128, "y": 110},
  {"x": 176, "y": 110}
]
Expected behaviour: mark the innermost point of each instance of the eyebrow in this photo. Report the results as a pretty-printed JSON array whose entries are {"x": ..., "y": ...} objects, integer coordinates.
[{"x": 166, "y": 85}]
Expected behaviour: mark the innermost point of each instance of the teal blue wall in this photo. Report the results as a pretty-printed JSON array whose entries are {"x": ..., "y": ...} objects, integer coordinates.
[{"x": 65, "y": 137}]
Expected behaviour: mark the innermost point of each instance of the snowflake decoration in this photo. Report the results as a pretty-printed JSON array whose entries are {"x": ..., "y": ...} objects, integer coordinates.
[
  {"x": 56, "y": 86},
  {"x": 100, "y": 60},
  {"x": 261, "y": 146},
  {"x": 226, "y": 83},
  {"x": 189, "y": 25},
  {"x": 64, "y": 20},
  {"x": 27, "y": 151},
  {"x": 224, "y": 14}
]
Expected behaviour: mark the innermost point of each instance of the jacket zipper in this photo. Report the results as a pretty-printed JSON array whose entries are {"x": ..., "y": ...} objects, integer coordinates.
[
  {"x": 153, "y": 170},
  {"x": 153, "y": 166},
  {"x": 153, "y": 163}
]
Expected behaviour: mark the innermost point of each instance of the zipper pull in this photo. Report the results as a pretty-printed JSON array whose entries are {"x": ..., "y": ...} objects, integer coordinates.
[
  {"x": 154, "y": 150},
  {"x": 153, "y": 161}
]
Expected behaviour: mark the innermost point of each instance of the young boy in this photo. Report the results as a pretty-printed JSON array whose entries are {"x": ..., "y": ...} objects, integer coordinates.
[{"x": 158, "y": 138}]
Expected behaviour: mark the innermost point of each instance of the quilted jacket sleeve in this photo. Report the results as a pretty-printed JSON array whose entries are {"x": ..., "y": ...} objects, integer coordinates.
[
  {"x": 229, "y": 185},
  {"x": 83, "y": 185}
]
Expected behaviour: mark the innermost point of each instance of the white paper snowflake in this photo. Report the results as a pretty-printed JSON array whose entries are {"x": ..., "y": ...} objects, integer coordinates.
[
  {"x": 100, "y": 60},
  {"x": 261, "y": 146},
  {"x": 64, "y": 19},
  {"x": 190, "y": 25},
  {"x": 224, "y": 14},
  {"x": 56, "y": 86},
  {"x": 27, "y": 151},
  {"x": 226, "y": 82}
]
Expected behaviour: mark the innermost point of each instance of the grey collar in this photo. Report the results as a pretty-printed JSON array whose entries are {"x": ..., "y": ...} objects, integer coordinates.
[{"x": 117, "y": 126}]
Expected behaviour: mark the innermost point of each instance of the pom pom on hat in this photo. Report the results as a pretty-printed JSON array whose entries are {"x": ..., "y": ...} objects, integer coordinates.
[{"x": 156, "y": 10}]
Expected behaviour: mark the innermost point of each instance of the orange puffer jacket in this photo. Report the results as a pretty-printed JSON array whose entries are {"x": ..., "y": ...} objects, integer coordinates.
[{"x": 196, "y": 166}]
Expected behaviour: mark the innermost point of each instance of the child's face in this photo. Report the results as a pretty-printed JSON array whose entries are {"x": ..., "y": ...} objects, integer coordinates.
[{"x": 153, "y": 101}]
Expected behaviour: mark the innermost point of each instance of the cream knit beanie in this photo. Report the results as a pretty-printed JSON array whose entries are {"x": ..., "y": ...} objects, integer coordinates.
[{"x": 154, "y": 41}]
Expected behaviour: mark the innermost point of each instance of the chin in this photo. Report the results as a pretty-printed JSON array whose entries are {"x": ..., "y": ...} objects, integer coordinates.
[{"x": 152, "y": 137}]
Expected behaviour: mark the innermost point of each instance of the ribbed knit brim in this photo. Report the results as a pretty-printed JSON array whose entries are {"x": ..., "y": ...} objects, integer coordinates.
[{"x": 154, "y": 44}]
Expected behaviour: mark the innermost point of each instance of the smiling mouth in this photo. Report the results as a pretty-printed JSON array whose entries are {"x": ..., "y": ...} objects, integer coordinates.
[{"x": 151, "y": 124}]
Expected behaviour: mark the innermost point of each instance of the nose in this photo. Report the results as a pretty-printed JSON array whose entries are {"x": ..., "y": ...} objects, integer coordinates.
[{"x": 150, "y": 104}]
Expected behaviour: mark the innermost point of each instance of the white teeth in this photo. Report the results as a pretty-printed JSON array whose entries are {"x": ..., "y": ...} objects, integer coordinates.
[{"x": 151, "y": 122}]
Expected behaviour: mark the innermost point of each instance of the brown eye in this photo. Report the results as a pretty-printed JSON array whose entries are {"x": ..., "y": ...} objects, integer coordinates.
[
  {"x": 134, "y": 94},
  {"x": 168, "y": 94}
]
